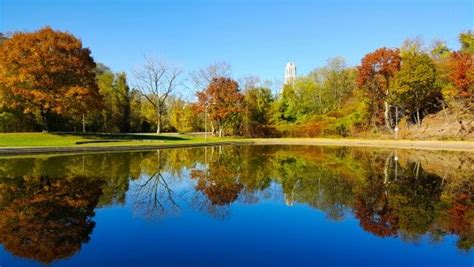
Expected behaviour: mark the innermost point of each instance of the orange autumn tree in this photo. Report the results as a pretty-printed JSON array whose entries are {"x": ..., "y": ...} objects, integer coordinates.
[
  {"x": 47, "y": 73},
  {"x": 374, "y": 75},
  {"x": 461, "y": 74},
  {"x": 223, "y": 101}
]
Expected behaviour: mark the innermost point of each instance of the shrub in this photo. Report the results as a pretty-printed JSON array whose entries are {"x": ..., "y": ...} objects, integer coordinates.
[{"x": 342, "y": 130}]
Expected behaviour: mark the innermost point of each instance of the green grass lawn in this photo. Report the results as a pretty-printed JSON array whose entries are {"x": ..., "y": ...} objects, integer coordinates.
[
  {"x": 67, "y": 140},
  {"x": 76, "y": 140}
]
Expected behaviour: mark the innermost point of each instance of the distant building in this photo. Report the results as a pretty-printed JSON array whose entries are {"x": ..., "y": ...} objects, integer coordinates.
[{"x": 290, "y": 73}]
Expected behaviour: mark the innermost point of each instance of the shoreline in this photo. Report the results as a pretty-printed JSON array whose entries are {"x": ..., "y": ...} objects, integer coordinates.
[
  {"x": 466, "y": 146},
  {"x": 11, "y": 151}
]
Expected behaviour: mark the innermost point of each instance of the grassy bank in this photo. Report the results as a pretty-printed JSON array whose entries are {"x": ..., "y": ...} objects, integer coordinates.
[
  {"x": 25, "y": 143},
  {"x": 87, "y": 140}
]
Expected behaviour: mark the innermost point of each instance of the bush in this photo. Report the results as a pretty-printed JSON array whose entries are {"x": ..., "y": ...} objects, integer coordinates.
[
  {"x": 342, "y": 130},
  {"x": 17, "y": 122}
]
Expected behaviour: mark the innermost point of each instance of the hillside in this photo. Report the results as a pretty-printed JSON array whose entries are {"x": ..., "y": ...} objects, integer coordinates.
[{"x": 440, "y": 126}]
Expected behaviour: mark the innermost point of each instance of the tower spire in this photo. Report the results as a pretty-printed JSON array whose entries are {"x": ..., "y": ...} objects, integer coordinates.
[{"x": 290, "y": 73}]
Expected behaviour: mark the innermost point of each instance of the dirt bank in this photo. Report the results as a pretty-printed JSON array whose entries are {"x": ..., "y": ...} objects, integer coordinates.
[{"x": 409, "y": 144}]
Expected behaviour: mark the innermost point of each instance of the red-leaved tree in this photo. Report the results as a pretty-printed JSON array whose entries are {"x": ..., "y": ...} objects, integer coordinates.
[
  {"x": 222, "y": 102},
  {"x": 375, "y": 73},
  {"x": 462, "y": 73}
]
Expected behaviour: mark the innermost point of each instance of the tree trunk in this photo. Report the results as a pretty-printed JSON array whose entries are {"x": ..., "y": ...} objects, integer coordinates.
[
  {"x": 158, "y": 123},
  {"x": 221, "y": 132},
  {"x": 44, "y": 121},
  {"x": 386, "y": 114},
  {"x": 418, "y": 116},
  {"x": 83, "y": 123},
  {"x": 105, "y": 126},
  {"x": 386, "y": 169},
  {"x": 444, "y": 110}
]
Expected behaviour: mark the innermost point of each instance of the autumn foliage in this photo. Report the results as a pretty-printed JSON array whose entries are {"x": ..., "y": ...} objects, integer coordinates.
[
  {"x": 219, "y": 186},
  {"x": 223, "y": 100},
  {"x": 47, "y": 219},
  {"x": 462, "y": 73},
  {"x": 374, "y": 211},
  {"x": 375, "y": 73},
  {"x": 49, "y": 81},
  {"x": 47, "y": 72}
]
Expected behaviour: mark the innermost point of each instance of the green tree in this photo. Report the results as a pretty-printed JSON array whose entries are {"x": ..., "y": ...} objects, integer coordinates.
[
  {"x": 299, "y": 100},
  {"x": 439, "y": 50},
  {"x": 414, "y": 87},
  {"x": 123, "y": 99},
  {"x": 337, "y": 80},
  {"x": 467, "y": 42},
  {"x": 257, "y": 112},
  {"x": 138, "y": 120},
  {"x": 116, "y": 94},
  {"x": 182, "y": 116}
]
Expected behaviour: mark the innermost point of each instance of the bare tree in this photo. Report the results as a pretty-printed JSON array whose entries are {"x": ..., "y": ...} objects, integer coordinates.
[
  {"x": 250, "y": 81},
  {"x": 156, "y": 81},
  {"x": 202, "y": 77}
]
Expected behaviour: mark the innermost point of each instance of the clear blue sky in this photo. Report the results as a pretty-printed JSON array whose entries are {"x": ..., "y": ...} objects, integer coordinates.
[{"x": 256, "y": 37}]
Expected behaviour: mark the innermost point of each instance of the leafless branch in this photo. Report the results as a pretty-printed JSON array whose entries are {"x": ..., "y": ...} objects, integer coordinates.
[
  {"x": 202, "y": 77},
  {"x": 156, "y": 81}
]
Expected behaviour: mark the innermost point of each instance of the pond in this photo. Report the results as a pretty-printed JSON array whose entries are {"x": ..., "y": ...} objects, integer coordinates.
[{"x": 239, "y": 206}]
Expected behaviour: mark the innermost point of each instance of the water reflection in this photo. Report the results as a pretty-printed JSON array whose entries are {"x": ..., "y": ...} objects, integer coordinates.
[
  {"x": 45, "y": 218},
  {"x": 47, "y": 203}
]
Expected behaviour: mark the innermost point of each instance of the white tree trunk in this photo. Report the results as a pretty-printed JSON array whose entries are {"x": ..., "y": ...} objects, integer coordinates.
[
  {"x": 418, "y": 116},
  {"x": 386, "y": 114},
  {"x": 158, "y": 123}
]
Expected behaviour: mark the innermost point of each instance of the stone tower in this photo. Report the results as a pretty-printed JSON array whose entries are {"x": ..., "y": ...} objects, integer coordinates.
[{"x": 290, "y": 73}]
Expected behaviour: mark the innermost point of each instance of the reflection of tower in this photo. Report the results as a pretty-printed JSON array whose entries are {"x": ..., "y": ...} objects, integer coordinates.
[
  {"x": 289, "y": 199},
  {"x": 290, "y": 73}
]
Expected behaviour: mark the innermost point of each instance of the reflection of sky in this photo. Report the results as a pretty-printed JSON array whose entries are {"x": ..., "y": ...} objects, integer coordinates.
[{"x": 267, "y": 233}]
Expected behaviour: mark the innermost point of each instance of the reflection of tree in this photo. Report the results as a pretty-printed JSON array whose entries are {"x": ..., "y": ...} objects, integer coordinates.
[
  {"x": 218, "y": 181},
  {"x": 373, "y": 209},
  {"x": 307, "y": 181},
  {"x": 46, "y": 219},
  {"x": 460, "y": 215},
  {"x": 460, "y": 223},
  {"x": 154, "y": 196},
  {"x": 406, "y": 201},
  {"x": 218, "y": 184},
  {"x": 414, "y": 195},
  {"x": 390, "y": 198}
]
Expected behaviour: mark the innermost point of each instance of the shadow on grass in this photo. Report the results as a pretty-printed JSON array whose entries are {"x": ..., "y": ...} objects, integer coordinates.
[{"x": 110, "y": 137}]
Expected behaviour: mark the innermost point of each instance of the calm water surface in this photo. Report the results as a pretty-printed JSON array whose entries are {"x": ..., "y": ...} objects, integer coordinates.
[{"x": 239, "y": 206}]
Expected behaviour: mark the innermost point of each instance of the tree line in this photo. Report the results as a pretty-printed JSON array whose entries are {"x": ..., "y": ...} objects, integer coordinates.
[{"x": 49, "y": 81}]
